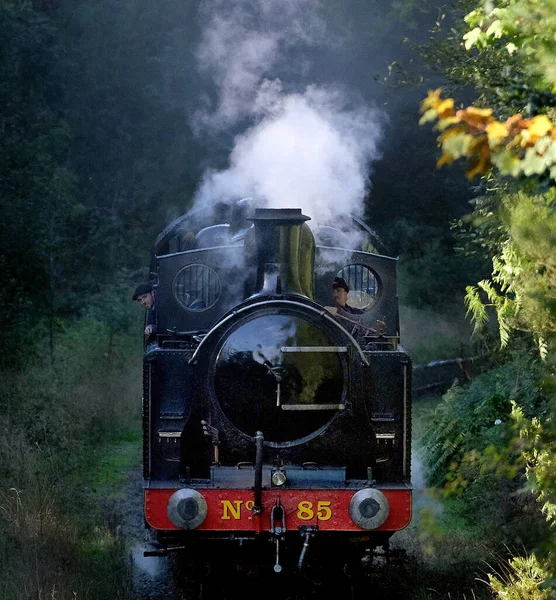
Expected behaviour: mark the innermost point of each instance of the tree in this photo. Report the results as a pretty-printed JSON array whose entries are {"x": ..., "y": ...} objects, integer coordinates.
[
  {"x": 515, "y": 156},
  {"x": 38, "y": 210}
]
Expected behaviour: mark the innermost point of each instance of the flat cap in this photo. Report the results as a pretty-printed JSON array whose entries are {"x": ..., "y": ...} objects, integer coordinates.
[
  {"x": 142, "y": 288},
  {"x": 340, "y": 282}
]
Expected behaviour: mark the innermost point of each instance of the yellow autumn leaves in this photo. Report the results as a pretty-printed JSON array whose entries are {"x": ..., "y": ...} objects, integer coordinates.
[{"x": 516, "y": 146}]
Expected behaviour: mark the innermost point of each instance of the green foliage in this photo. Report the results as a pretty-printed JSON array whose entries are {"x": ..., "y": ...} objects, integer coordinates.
[
  {"x": 538, "y": 441},
  {"x": 513, "y": 221},
  {"x": 527, "y": 27},
  {"x": 521, "y": 579},
  {"x": 472, "y": 448},
  {"x": 523, "y": 284},
  {"x": 521, "y": 292},
  {"x": 490, "y": 446},
  {"x": 497, "y": 78},
  {"x": 505, "y": 308}
]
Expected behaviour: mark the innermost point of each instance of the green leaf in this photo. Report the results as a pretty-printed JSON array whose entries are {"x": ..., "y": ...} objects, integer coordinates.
[
  {"x": 511, "y": 48},
  {"x": 475, "y": 17},
  {"x": 457, "y": 145},
  {"x": 507, "y": 162},
  {"x": 429, "y": 115},
  {"x": 532, "y": 163},
  {"x": 496, "y": 29},
  {"x": 472, "y": 37}
]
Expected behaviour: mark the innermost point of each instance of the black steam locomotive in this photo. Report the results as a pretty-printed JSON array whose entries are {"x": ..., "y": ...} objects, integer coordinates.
[{"x": 273, "y": 420}]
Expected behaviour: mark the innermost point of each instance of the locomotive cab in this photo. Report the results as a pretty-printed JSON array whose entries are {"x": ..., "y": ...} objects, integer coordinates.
[{"x": 269, "y": 414}]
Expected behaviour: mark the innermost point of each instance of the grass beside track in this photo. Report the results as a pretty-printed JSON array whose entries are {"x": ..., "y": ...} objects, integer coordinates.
[
  {"x": 70, "y": 543},
  {"x": 69, "y": 431}
]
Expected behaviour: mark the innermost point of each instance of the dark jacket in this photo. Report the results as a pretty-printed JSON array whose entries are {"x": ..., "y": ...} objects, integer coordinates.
[
  {"x": 350, "y": 310},
  {"x": 151, "y": 317}
]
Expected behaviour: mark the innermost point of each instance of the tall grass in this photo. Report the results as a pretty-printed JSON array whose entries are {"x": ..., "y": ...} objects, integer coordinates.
[{"x": 54, "y": 415}]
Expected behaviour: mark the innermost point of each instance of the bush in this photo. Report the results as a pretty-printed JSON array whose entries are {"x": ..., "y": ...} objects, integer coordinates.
[{"x": 472, "y": 450}]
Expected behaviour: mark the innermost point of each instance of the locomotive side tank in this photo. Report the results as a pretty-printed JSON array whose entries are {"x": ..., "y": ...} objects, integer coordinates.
[{"x": 270, "y": 418}]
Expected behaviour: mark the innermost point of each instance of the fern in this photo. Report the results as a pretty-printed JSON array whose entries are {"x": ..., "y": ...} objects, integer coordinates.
[
  {"x": 473, "y": 418},
  {"x": 475, "y": 307},
  {"x": 506, "y": 309},
  {"x": 504, "y": 313}
]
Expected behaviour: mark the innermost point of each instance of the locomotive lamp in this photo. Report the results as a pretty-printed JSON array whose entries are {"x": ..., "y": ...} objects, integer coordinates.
[
  {"x": 187, "y": 509},
  {"x": 369, "y": 508},
  {"x": 279, "y": 477}
]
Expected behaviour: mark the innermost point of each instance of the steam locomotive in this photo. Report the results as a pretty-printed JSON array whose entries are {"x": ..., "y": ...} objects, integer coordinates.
[{"x": 274, "y": 423}]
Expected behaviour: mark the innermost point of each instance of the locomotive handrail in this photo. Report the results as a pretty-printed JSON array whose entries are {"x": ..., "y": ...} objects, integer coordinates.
[
  {"x": 335, "y": 349},
  {"x": 322, "y": 312},
  {"x": 313, "y": 406}
]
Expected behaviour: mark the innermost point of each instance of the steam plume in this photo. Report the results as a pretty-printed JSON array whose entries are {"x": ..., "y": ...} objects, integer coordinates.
[{"x": 311, "y": 148}]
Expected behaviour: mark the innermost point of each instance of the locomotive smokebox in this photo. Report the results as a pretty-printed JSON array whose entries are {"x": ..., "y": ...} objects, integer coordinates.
[{"x": 284, "y": 251}]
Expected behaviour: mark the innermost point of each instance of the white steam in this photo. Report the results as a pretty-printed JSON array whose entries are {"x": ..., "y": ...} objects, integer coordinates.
[
  {"x": 310, "y": 150},
  {"x": 244, "y": 42}
]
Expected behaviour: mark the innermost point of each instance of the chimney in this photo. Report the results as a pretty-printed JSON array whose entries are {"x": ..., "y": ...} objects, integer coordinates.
[{"x": 284, "y": 252}]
